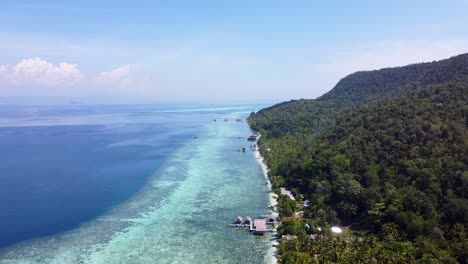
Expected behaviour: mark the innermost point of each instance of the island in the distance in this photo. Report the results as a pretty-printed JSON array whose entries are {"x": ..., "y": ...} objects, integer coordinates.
[{"x": 383, "y": 157}]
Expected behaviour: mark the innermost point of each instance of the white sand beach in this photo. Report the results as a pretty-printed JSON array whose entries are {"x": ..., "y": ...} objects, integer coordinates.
[{"x": 273, "y": 252}]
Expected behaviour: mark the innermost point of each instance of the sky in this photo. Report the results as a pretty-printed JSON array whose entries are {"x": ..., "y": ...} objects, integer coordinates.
[{"x": 212, "y": 51}]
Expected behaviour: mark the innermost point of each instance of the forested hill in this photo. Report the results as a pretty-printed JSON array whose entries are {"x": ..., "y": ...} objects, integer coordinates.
[
  {"x": 392, "y": 167},
  {"x": 356, "y": 90},
  {"x": 368, "y": 86}
]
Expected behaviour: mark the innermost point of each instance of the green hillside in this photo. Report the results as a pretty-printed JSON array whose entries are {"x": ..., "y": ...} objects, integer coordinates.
[
  {"x": 382, "y": 84},
  {"x": 384, "y": 153}
]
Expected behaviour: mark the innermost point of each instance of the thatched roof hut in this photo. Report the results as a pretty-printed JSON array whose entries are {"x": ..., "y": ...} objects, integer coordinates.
[{"x": 260, "y": 226}]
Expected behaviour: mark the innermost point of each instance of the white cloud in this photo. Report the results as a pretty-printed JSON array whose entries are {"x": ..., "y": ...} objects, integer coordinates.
[
  {"x": 116, "y": 75},
  {"x": 120, "y": 77},
  {"x": 3, "y": 69},
  {"x": 40, "y": 72},
  {"x": 36, "y": 72}
]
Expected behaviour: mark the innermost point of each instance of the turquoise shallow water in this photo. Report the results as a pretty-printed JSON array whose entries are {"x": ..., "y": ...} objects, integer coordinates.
[{"x": 179, "y": 216}]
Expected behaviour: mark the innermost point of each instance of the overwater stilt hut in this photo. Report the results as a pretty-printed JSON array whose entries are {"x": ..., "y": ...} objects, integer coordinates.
[
  {"x": 238, "y": 220},
  {"x": 259, "y": 227}
]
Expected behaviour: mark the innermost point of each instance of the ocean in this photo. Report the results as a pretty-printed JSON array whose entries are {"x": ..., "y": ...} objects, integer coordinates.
[{"x": 129, "y": 184}]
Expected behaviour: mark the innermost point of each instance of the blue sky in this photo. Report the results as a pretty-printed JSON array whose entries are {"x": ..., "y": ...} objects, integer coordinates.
[{"x": 213, "y": 51}]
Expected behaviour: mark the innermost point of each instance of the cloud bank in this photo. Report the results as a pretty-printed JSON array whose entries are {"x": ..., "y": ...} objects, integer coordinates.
[
  {"x": 39, "y": 72},
  {"x": 36, "y": 72}
]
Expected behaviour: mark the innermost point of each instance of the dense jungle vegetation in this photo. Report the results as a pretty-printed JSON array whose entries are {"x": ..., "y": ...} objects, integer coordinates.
[{"x": 383, "y": 154}]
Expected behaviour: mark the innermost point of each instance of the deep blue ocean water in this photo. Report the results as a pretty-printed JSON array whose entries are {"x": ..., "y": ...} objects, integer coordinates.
[
  {"x": 70, "y": 172},
  {"x": 53, "y": 176}
]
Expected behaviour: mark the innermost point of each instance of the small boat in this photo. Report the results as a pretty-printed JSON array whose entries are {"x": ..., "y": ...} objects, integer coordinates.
[
  {"x": 247, "y": 220},
  {"x": 252, "y": 138}
]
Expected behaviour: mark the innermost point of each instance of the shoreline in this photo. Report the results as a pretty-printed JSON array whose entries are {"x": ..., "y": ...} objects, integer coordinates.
[{"x": 273, "y": 251}]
